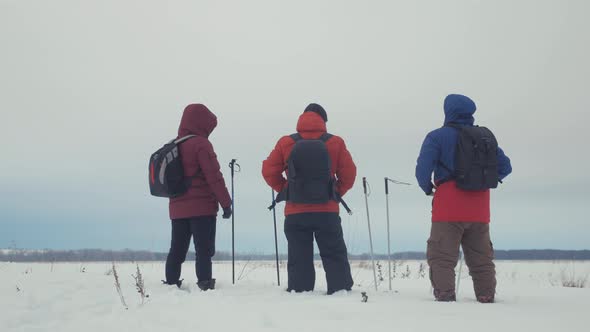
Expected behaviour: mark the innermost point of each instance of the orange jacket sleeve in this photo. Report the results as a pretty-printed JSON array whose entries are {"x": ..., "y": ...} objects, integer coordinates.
[
  {"x": 273, "y": 168},
  {"x": 345, "y": 170}
]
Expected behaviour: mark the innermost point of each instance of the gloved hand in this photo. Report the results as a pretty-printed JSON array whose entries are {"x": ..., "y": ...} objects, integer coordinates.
[
  {"x": 227, "y": 212},
  {"x": 431, "y": 193}
]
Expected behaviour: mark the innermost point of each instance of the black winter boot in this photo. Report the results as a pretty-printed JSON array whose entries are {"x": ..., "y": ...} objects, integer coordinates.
[
  {"x": 206, "y": 284},
  {"x": 178, "y": 283}
]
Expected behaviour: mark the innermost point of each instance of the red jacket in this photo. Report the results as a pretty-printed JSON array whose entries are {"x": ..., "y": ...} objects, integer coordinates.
[
  {"x": 310, "y": 126},
  {"x": 198, "y": 157},
  {"x": 453, "y": 204}
]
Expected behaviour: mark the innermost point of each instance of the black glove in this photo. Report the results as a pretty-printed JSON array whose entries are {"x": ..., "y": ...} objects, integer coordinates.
[{"x": 227, "y": 212}]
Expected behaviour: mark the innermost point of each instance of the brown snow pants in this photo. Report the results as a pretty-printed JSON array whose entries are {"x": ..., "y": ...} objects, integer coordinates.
[{"x": 443, "y": 253}]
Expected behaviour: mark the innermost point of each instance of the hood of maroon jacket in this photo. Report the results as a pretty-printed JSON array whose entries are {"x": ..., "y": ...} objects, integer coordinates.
[
  {"x": 199, "y": 160},
  {"x": 198, "y": 120}
]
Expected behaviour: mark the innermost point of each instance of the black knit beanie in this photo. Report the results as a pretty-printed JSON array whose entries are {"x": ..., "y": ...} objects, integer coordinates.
[{"x": 317, "y": 109}]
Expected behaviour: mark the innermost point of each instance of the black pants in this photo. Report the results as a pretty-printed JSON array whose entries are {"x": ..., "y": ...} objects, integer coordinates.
[
  {"x": 300, "y": 230},
  {"x": 202, "y": 229}
]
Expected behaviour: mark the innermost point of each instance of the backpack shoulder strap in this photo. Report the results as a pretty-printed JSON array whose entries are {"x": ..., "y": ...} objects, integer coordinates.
[
  {"x": 182, "y": 139},
  {"x": 325, "y": 137}
]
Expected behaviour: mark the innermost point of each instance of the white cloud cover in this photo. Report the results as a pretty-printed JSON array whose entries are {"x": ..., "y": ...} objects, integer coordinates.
[{"x": 89, "y": 89}]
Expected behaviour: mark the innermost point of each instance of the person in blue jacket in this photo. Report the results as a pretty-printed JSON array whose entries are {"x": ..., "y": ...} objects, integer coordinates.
[{"x": 459, "y": 217}]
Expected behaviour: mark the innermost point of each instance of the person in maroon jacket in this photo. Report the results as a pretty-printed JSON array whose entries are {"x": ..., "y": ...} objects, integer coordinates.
[{"x": 195, "y": 213}]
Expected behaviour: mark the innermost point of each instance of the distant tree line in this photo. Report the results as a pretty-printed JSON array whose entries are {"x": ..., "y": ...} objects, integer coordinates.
[{"x": 99, "y": 255}]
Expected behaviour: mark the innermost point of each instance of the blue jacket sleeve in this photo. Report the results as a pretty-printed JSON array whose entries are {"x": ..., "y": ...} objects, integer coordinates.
[
  {"x": 504, "y": 165},
  {"x": 427, "y": 161}
]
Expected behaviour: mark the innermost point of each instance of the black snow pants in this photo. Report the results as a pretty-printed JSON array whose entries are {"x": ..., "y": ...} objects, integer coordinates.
[
  {"x": 202, "y": 229},
  {"x": 300, "y": 230}
]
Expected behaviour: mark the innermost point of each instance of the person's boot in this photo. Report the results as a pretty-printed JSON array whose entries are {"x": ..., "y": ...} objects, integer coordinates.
[
  {"x": 332, "y": 291},
  {"x": 205, "y": 285},
  {"x": 445, "y": 296},
  {"x": 485, "y": 299},
  {"x": 178, "y": 283}
]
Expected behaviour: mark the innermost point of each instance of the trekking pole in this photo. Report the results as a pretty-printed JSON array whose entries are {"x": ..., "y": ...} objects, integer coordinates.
[
  {"x": 370, "y": 236},
  {"x": 274, "y": 216},
  {"x": 388, "y": 233},
  {"x": 232, "y": 166},
  {"x": 459, "y": 274},
  {"x": 387, "y": 180}
]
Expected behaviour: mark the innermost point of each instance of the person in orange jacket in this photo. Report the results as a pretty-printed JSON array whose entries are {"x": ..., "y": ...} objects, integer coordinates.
[{"x": 319, "y": 171}]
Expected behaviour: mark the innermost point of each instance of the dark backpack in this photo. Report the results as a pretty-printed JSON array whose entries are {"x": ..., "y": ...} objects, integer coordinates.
[
  {"x": 476, "y": 160},
  {"x": 166, "y": 173},
  {"x": 309, "y": 173}
]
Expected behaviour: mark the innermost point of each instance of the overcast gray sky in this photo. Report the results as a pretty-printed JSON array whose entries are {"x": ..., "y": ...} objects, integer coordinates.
[{"x": 89, "y": 89}]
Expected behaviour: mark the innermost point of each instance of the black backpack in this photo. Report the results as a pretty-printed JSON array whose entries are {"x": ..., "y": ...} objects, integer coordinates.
[
  {"x": 476, "y": 160},
  {"x": 166, "y": 173},
  {"x": 309, "y": 173}
]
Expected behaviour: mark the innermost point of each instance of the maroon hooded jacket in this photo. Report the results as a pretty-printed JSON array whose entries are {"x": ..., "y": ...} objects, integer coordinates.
[{"x": 208, "y": 189}]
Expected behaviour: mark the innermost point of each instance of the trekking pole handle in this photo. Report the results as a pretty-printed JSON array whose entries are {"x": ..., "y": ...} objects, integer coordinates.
[
  {"x": 233, "y": 165},
  {"x": 386, "y": 186},
  {"x": 365, "y": 185}
]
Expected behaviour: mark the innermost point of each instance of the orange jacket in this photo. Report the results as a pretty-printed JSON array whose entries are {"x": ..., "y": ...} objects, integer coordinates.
[{"x": 310, "y": 126}]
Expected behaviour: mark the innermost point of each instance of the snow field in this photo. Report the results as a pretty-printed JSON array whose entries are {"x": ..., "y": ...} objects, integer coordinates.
[{"x": 60, "y": 297}]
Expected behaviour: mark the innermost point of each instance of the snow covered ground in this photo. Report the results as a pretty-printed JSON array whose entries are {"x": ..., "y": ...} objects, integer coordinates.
[{"x": 61, "y": 297}]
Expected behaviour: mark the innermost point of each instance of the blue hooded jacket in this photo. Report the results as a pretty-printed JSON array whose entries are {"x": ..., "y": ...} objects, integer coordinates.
[{"x": 439, "y": 145}]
